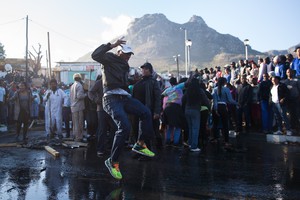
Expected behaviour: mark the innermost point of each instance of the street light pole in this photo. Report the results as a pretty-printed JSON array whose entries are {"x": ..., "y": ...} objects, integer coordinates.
[
  {"x": 177, "y": 62},
  {"x": 246, "y": 43},
  {"x": 188, "y": 44},
  {"x": 185, "y": 51},
  {"x": 26, "y": 76}
]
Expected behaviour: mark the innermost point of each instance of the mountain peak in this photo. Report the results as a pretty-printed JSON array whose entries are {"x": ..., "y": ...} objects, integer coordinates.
[
  {"x": 197, "y": 19},
  {"x": 154, "y": 16},
  {"x": 155, "y": 38}
]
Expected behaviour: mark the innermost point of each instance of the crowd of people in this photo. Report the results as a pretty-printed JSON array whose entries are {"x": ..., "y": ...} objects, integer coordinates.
[{"x": 149, "y": 112}]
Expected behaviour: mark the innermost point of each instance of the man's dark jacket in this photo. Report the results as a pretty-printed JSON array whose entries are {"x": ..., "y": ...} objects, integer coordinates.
[
  {"x": 245, "y": 95},
  {"x": 283, "y": 93},
  {"x": 95, "y": 94},
  {"x": 147, "y": 91},
  {"x": 264, "y": 89},
  {"x": 114, "y": 70}
]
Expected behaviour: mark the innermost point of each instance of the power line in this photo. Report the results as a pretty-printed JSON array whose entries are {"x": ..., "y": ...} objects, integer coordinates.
[
  {"x": 45, "y": 27},
  {"x": 10, "y": 22}
]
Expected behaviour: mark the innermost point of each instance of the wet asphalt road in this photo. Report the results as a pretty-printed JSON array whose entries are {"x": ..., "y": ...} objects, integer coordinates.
[{"x": 253, "y": 170}]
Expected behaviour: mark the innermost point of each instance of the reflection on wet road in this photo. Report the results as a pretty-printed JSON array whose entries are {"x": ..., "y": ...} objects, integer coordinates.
[{"x": 258, "y": 171}]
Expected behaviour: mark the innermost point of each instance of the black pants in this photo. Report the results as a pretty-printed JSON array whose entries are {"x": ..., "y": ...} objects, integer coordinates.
[
  {"x": 3, "y": 113},
  {"x": 135, "y": 132},
  {"x": 292, "y": 108},
  {"x": 106, "y": 130},
  {"x": 158, "y": 138},
  {"x": 202, "y": 131},
  {"x": 24, "y": 118},
  {"x": 91, "y": 121},
  {"x": 223, "y": 112},
  {"x": 66, "y": 112}
]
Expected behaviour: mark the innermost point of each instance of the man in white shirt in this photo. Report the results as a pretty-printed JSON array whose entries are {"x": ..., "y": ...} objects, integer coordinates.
[
  {"x": 54, "y": 98},
  {"x": 279, "y": 97}
]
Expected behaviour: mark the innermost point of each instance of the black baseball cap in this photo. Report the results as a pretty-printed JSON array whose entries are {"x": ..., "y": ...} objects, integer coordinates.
[
  {"x": 297, "y": 47},
  {"x": 147, "y": 66}
]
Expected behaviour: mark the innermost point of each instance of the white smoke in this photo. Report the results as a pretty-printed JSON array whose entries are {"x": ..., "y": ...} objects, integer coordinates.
[{"x": 116, "y": 26}]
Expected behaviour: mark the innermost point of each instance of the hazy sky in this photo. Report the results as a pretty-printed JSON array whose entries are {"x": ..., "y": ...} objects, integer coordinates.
[{"x": 77, "y": 27}]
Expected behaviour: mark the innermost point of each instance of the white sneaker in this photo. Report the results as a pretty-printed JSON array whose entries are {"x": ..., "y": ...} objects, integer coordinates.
[
  {"x": 289, "y": 133},
  {"x": 195, "y": 150},
  {"x": 277, "y": 133}
]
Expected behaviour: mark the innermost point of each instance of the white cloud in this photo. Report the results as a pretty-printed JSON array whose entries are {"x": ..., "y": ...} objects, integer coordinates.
[{"x": 116, "y": 26}]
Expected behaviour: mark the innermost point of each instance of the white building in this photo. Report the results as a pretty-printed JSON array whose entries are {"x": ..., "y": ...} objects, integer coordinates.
[{"x": 64, "y": 71}]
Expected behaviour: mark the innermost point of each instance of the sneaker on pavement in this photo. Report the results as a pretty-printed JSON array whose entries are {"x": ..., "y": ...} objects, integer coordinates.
[
  {"x": 32, "y": 123},
  {"x": 185, "y": 144},
  {"x": 195, "y": 150},
  {"x": 289, "y": 133},
  {"x": 143, "y": 150},
  {"x": 113, "y": 169},
  {"x": 277, "y": 133}
]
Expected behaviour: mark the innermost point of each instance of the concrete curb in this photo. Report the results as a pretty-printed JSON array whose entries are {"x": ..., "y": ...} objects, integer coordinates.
[{"x": 282, "y": 138}]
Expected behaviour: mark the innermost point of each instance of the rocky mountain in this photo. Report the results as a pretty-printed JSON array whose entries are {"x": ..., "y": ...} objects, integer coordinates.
[
  {"x": 156, "y": 39},
  {"x": 282, "y": 52}
]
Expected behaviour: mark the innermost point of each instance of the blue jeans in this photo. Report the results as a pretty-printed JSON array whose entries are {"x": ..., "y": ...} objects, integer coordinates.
[
  {"x": 176, "y": 135},
  {"x": 266, "y": 115},
  {"x": 193, "y": 120},
  {"x": 223, "y": 118},
  {"x": 118, "y": 107},
  {"x": 280, "y": 114}
]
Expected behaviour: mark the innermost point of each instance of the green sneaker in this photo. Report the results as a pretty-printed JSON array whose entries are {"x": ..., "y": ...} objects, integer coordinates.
[
  {"x": 142, "y": 150},
  {"x": 113, "y": 169}
]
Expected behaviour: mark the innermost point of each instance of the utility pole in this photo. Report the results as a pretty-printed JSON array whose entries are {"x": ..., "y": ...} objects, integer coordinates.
[
  {"x": 26, "y": 57},
  {"x": 185, "y": 50},
  {"x": 49, "y": 56},
  {"x": 47, "y": 64}
]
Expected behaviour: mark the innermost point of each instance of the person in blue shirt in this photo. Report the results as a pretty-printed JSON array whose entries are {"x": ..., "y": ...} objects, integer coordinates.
[
  {"x": 35, "y": 106},
  {"x": 280, "y": 69},
  {"x": 221, "y": 97},
  {"x": 296, "y": 62},
  {"x": 227, "y": 74},
  {"x": 66, "y": 110}
]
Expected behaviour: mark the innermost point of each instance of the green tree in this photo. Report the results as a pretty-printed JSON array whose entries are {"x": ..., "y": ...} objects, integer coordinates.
[{"x": 2, "y": 52}]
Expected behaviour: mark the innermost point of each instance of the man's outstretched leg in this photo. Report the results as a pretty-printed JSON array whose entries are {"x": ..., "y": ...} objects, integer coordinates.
[
  {"x": 136, "y": 108},
  {"x": 118, "y": 108},
  {"x": 114, "y": 106}
]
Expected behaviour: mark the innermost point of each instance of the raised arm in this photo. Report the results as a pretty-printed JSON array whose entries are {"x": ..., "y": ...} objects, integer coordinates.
[{"x": 99, "y": 54}]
